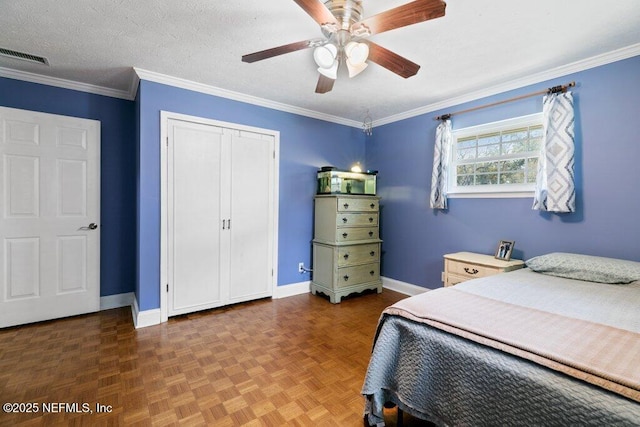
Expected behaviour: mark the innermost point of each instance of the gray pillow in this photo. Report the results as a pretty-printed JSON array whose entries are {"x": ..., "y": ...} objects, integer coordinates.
[{"x": 586, "y": 267}]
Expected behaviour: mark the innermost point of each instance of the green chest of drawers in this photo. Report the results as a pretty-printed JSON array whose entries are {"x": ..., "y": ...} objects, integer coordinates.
[{"x": 346, "y": 245}]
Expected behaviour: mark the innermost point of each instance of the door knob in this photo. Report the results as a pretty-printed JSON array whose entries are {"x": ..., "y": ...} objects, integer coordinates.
[{"x": 93, "y": 226}]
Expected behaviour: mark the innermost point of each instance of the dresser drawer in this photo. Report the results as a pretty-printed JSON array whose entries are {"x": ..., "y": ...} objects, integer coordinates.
[
  {"x": 356, "y": 234},
  {"x": 349, "y": 276},
  {"x": 358, "y": 254},
  {"x": 346, "y": 204},
  {"x": 469, "y": 270},
  {"x": 357, "y": 219}
]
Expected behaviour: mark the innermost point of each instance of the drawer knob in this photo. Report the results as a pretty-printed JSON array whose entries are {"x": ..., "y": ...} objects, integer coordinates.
[
  {"x": 346, "y": 278},
  {"x": 344, "y": 220},
  {"x": 346, "y": 205},
  {"x": 371, "y": 234},
  {"x": 344, "y": 235},
  {"x": 372, "y": 253},
  {"x": 372, "y": 272},
  {"x": 471, "y": 270},
  {"x": 370, "y": 219},
  {"x": 372, "y": 205},
  {"x": 346, "y": 256}
]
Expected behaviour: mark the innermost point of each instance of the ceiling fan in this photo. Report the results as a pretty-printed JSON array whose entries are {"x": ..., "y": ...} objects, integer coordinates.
[{"x": 344, "y": 31}]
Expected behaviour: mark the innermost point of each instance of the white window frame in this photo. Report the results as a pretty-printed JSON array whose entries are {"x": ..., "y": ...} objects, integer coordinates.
[{"x": 493, "y": 190}]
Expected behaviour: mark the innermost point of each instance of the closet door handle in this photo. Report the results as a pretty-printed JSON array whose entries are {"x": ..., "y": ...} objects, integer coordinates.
[
  {"x": 229, "y": 224},
  {"x": 224, "y": 224}
]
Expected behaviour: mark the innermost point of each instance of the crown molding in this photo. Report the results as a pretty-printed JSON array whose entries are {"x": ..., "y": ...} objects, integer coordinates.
[
  {"x": 574, "y": 67},
  {"x": 237, "y": 96},
  {"x": 63, "y": 83}
]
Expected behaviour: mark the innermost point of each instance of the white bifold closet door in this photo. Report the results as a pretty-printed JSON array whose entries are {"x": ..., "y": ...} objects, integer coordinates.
[
  {"x": 220, "y": 215},
  {"x": 49, "y": 216}
]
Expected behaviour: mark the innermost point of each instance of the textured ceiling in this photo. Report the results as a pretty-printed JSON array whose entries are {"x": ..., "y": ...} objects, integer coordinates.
[{"x": 478, "y": 44}]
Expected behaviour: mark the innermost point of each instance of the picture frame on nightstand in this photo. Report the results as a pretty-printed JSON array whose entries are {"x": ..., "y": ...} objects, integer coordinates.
[{"x": 505, "y": 249}]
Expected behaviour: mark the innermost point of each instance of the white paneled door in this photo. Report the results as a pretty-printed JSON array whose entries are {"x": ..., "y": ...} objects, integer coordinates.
[
  {"x": 49, "y": 216},
  {"x": 220, "y": 213}
]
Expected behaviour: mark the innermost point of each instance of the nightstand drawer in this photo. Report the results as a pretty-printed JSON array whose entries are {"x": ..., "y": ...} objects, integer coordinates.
[
  {"x": 469, "y": 270},
  {"x": 463, "y": 266}
]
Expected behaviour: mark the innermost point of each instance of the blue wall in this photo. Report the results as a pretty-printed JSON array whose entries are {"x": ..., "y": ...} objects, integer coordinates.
[
  {"x": 117, "y": 154},
  {"x": 416, "y": 237},
  {"x": 305, "y": 145}
]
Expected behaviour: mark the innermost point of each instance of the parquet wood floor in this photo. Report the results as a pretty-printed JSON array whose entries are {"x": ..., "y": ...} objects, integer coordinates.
[{"x": 297, "y": 361}]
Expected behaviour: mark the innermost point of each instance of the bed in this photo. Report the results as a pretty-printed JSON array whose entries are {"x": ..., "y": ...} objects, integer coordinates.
[{"x": 556, "y": 343}]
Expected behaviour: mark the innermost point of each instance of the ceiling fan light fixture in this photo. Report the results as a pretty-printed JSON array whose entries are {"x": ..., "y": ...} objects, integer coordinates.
[
  {"x": 325, "y": 55},
  {"x": 355, "y": 69},
  {"x": 331, "y": 72},
  {"x": 356, "y": 52}
]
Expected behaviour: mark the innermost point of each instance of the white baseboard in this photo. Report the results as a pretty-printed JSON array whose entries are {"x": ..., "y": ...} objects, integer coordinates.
[
  {"x": 116, "y": 301},
  {"x": 142, "y": 319},
  {"x": 292, "y": 289},
  {"x": 403, "y": 287}
]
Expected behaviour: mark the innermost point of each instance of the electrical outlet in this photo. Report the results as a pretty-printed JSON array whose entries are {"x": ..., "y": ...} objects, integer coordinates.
[{"x": 301, "y": 267}]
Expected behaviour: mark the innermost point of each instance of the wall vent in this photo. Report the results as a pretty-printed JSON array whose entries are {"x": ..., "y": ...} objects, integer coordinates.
[{"x": 23, "y": 56}]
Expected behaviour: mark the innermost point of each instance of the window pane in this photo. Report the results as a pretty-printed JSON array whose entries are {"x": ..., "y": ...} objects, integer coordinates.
[
  {"x": 532, "y": 169},
  {"x": 487, "y": 179},
  {"x": 489, "y": 151},
  {"x": 534, "y": 144},
  {"x": 466, "y": 142},
  {"x": 465, "y": 180},
  {"x": 487, "y": 167},
  {"x": 464, "y": 170},
  {"x": 492, "y": 138},
  {"x": 512, "y": 165},
  {"x": 514, "y": 147},
  {"x": 512, "y": 178},
  {"x": 515, "y": 135},
  {"x": 535, "y": 132},
  {"x": 467, "y": 154}
]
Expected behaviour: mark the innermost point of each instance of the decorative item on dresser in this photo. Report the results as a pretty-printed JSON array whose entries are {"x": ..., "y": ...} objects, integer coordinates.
[
  {"x": 346, "y": 245},
  {"x": 462, "y": 266}
]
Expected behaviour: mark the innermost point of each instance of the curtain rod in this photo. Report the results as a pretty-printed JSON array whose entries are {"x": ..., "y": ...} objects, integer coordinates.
[{"x": 555, "y": 89}]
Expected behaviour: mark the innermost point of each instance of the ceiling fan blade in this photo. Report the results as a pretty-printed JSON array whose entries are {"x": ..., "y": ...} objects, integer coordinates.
[
  {"x": 401, "y": 16},
  {"x": 280, "y": 50},
  {"x": 318, "y": 11},
  {"x": 392, "y": 61},
  {"x": 325, "y": 84}
]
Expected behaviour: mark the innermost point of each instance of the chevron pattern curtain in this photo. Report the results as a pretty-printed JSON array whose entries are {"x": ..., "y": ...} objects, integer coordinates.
[
  {"x": 438, "y": 198},
  {"x": 555, "y": 186}
]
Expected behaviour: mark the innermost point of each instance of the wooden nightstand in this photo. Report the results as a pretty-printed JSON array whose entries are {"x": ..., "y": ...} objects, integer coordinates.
[{"x": 463, "y": 266}]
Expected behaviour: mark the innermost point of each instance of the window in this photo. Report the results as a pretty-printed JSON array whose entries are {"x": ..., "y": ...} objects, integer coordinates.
[{"x": 497, "y": 159}]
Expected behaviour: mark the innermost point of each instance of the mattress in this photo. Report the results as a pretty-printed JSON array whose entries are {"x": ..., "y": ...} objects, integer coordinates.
[{"x": 520, "y": 348}]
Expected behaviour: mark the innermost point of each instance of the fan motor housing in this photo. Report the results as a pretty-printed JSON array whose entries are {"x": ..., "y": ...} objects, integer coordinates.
[{"x": 347, "y": 12}]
